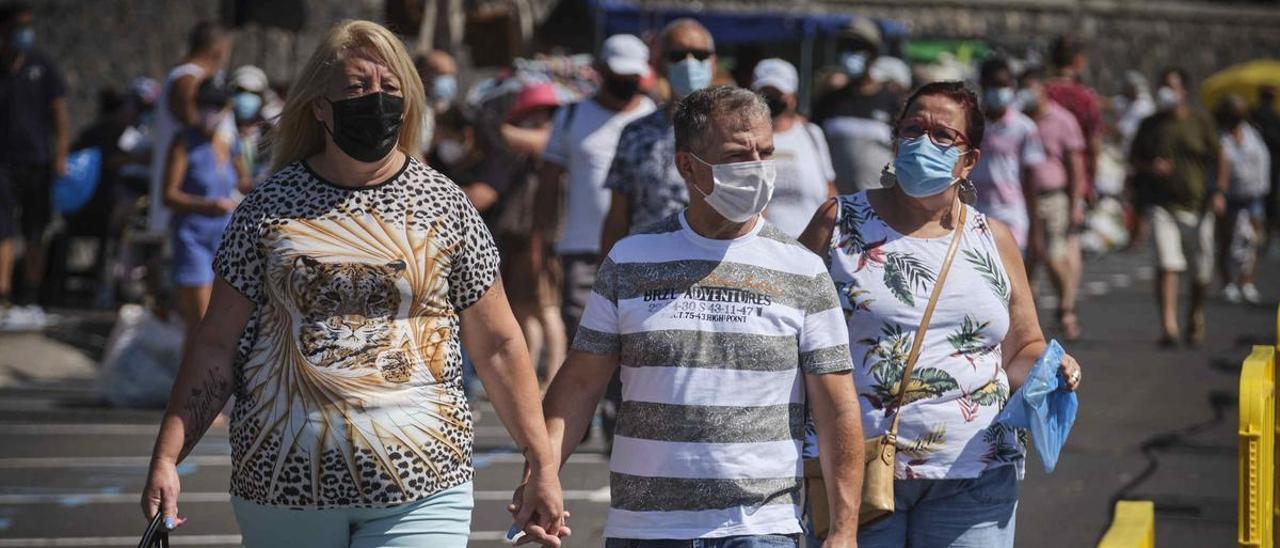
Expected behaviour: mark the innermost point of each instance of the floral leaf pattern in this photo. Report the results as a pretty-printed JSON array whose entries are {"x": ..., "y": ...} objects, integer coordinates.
[
  {"x": 904, "y": 275},
  {"x": 991, "y": 271},
  {"x": 993, "y": 393},
  {"x": 922, "y": 447},
  {"x": 1000, "y": 450}
]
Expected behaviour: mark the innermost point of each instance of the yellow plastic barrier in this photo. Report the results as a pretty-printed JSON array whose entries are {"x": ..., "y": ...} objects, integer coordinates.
[
  {"x": 1257, "y": 448},
  {"x": 1133, "y": 526}
]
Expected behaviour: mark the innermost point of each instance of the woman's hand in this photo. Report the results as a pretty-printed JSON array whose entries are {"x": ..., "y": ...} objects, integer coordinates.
[
  {"x": 526, "y": 497},
  {"x": 1070, "y": 372},
  {"x": 161, "y": 493}
]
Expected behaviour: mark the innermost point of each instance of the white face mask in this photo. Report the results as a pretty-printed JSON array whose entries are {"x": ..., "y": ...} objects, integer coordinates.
[
  {"x": 741, "y": 190},
  {"x": 450, "y": 151},
  {"x": 1167, "y": 98}
]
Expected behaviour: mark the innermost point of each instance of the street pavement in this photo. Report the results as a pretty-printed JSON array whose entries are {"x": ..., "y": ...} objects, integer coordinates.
[{"x": 1154, "y": 424}]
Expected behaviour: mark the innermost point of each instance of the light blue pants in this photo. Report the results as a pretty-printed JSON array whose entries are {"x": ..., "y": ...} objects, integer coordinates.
[
  {"x": 442, "y": 520},
  {"x": 969, "y": 513}
]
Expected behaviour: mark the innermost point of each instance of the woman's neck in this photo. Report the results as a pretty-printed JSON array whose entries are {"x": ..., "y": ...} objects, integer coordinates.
[
  {"x": 929, "y": 218},
  {"x": 342, "y": 170}
]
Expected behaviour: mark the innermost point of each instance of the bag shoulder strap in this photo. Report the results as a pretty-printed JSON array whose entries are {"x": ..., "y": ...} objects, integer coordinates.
[{"x": 918, "y": 341}]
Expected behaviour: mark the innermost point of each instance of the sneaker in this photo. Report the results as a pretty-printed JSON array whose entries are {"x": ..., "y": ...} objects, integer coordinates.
[
  {"x": 23, "y": 318},
  {"x": 1232, "y": 293},
  {"x": 1250, "y": 294}
]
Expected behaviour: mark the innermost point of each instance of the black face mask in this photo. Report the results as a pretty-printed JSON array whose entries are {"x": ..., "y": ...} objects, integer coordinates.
[
  {"x": 777, "y": 105},
  {"x": 367, "y": 127},
  {"x": 621, "y": 89}
]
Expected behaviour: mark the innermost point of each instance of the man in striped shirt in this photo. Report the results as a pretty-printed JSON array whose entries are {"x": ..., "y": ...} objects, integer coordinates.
[{"x": 725, "y": 329}]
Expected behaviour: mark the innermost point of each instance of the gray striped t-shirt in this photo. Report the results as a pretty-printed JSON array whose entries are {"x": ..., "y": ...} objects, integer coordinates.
[{"x": 713, "y": 336}]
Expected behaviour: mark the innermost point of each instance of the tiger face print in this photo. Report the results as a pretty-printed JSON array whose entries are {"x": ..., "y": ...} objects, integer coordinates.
[{"x": 348, "y": 311}]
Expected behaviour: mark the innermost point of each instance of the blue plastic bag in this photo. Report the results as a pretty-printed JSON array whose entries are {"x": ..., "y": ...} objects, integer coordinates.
[
  {"x": 1044, "y": 406},
  {"x": 73, "y": 190}
]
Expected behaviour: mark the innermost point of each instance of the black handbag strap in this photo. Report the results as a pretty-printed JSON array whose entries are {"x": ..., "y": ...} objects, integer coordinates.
[{"x": 156, "y": 536}]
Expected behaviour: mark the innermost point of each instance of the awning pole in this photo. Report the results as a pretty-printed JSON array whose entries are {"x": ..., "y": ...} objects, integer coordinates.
[{"x": 806, "y": 69}]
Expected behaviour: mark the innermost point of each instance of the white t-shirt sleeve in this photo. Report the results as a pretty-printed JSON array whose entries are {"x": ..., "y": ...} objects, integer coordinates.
[
  {"x": 599, "y": 332},
  {"x": 825, "y": 166},
  {"x": 824, "y": 339}
]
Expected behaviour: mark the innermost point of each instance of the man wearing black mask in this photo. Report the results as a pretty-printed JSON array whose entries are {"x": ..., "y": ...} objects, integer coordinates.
[
  {"x": 33, "y": 151},
  {"x": 805, "y": 175},
  {"x": 571, "y": 199}
]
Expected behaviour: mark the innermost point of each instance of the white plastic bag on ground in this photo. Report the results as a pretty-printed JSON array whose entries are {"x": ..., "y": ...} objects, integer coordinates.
[{"x": 142, "y": 358}]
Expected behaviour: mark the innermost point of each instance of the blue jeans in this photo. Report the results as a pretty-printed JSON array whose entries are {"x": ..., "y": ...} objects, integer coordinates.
[
  {"x": 746, "y": 541},
  {"x": 968, "y": 513},
  {"x": 442, "y": 520}
]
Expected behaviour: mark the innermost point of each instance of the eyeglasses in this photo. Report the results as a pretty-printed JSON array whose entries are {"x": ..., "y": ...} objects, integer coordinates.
[
  {"x": 941, "y": 135},
  {"x": 675, "y": 56}
]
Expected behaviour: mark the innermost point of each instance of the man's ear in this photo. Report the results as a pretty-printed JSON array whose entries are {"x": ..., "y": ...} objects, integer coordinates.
[{"x": 684, "y": 165}]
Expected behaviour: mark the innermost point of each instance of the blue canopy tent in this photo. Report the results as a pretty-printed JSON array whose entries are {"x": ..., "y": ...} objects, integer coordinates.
[{"x": 735, "y": 25}]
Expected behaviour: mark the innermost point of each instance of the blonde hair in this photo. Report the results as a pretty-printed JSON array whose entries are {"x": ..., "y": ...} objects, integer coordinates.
[{"x": 298, "y": 135}]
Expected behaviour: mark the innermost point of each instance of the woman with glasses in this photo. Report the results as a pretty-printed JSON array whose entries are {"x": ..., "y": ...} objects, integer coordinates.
[
  {"x": 957, "y": 469},
  {"x": 343, "y": 282}
]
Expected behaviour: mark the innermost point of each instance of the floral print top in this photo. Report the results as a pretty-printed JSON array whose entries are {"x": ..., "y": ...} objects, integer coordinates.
[{"x": 884, "y": 279}]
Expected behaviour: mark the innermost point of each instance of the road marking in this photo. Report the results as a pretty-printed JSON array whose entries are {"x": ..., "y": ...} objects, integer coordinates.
[
  {"x": 78, "y": 499},
  {"x": 224, "y": 460}
]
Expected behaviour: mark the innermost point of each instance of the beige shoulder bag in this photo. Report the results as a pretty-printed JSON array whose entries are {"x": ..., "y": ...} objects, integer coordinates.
[{"x": 881, "y": 451}]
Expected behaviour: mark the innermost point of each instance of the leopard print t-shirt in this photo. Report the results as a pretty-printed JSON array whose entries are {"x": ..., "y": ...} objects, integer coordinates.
[{"x": 349, "y": 375}]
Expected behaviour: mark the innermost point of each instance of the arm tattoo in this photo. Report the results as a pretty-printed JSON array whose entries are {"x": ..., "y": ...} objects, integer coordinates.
[{"x": 202, "y": 406}]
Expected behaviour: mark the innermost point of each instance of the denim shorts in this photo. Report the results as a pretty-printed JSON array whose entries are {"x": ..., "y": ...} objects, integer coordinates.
[
  {"x": 964, "y": 513},
  {"x": 442, "y": 520}
]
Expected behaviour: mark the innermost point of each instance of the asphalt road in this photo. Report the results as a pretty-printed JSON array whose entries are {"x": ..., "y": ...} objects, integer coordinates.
[{"x": 1154, "y": 424}]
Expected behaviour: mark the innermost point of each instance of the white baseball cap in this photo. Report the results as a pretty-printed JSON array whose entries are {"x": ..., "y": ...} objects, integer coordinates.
[
  {"x": 777, "y": 74},
  {"x": 625, "y": 55}
]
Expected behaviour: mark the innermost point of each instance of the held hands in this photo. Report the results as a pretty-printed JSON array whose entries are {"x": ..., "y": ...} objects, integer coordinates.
[
  {"x": 538, "y": 508},
  {"x": 1070, "y": 372},
  {"x": 161, "y": 494}
]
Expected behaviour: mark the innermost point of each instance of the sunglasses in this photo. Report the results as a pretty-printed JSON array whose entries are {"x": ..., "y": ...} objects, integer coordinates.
[{"x": 679, "y": 55}]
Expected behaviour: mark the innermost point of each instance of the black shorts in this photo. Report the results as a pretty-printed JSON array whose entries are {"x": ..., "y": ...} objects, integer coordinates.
[{"x": 25, "y": 203}]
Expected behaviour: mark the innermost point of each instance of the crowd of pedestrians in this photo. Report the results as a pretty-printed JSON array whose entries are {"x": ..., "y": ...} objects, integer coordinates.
[{"x": 746, "y": 294}]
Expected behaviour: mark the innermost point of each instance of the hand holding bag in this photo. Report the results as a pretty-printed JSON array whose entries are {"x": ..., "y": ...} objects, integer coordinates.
[{"x": 881, "y": 451}]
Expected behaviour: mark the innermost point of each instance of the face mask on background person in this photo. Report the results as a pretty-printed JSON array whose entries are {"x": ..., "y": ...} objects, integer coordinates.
[
  {"x": 1167, "y": 98},
  {"x": 444, "y": 88},
  {"x": 924, "y": 168},
  {"x": 622, "y": 89},
  {"x": 854, "y": 63},
  {"x": 998, "y": 98},
  {"x": 246, "y": 106},
  {"x": 451, "y": 151},
  {"x": 367, "y": 127},
  {"x": 1026, "y": 100},
  {"x": 23, "y": 39},
  {"x": 740, "y": 190},
  {"x": 689, "y": 75}
]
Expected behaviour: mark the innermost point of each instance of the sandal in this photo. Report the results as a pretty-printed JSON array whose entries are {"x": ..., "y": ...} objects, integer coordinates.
[
  {"x": 1070, "y": 324},
  {"x": 1195, "y": 329}
]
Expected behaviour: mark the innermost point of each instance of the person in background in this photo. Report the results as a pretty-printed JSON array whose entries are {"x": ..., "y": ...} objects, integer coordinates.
[
  {"x": 439, "y": 73},
  {"x": 385, "y": 271},
  {"x": 957, "y": 468},
  {"x": 1240, "y": 231},
  {"x": 1132, "y": 107},
  {"x": 856, "y": 117},
  {"x": 805, "y": 175},
  {"x": 250, "y": 86},
  {"x": 725, "y": 331},
  {"x": 209, "y": 48},
  {"x": 1058, "y": 214},
  {"x": 34, "y": 139},
  {"x": 1011, "y": 151},
  {"x": 203, "y": 174},
  {"x": 1066, "y": 87},
  {"x": 1172, "y": 155},
  {"x": 571, "y": 181},
  {"x": 1266, "y": 118},
  {"x": 644, "y": 183},
  {"x": 893, "y": 72}
]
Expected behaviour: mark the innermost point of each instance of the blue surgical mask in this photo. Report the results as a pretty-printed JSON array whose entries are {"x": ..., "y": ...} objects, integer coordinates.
[
  {"x": 854, "y": 63},
  {"x": 923, "y": 168},
  {"x": 24, "y": 39},
  {"x": 444, "y": 88},
  {"x": 998, "y": 98},
  {"x": 688, "y": 76},
  {"x": 246, "y": 105}
]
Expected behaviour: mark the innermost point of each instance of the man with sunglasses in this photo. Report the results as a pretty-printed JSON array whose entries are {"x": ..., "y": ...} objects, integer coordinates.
[{"x": 645, "y": 185}]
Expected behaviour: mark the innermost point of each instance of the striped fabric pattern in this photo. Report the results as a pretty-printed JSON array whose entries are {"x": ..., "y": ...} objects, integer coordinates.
[{"x": 713, "y": 337}]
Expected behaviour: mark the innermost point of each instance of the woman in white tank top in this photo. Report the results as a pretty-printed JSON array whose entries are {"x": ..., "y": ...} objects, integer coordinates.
[{"x": 957, "y": 469}]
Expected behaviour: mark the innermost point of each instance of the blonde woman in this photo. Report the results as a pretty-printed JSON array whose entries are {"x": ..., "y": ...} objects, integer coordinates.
[{"x": 343, "y": 283}]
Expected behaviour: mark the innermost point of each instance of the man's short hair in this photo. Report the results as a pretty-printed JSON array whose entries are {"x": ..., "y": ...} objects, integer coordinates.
[
  {"x": 1180, "y": 72},
  {"x": 991, "y": 67},
  {"x": 695, "y": 113},
  {"x": 680, "y": 23},
  {"x": 204, "y": 36},
  {"x": 1064, "y": 49}
]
